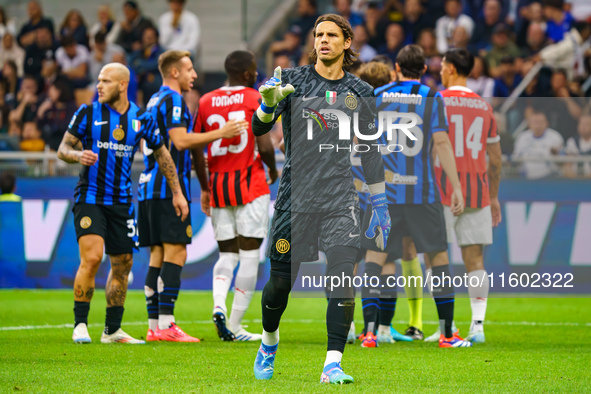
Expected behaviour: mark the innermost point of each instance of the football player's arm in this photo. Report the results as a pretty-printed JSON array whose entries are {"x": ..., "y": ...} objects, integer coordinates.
[
  {"x": 200, "y": 169},
  {"x": 443, "y": 149},
  {"x": 70, "y": 151},
  {"x": 267, "y": 152},
  {"x": 183, "y": 140},
  {"x": 168, "y": 169},
  {"x": 495, "y": 161}
]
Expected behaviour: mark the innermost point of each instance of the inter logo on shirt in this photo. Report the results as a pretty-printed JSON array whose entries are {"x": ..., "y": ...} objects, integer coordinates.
[{"x": 118, "y": 133}]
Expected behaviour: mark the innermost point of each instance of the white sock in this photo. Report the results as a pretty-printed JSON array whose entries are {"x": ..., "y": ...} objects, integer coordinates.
[
  {"x": 333, "y": 356},
  {"x": 382, "y": 329},
  {"x": 164, "y": 321},
  {"x": 428, "y": 280},
  {"x": 478, "y": 286},
  {"x": 223, "y": 271},
  {"x": 153, "y": 324},
  {"x": 270, "y": 338},
  {"x": 246, "y": 281}
]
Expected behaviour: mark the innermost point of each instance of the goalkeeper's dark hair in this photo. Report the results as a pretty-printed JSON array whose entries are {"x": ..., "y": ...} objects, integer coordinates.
[
  {"x": 461, "y": 59},
  {"x": 350, "y": 54},
  {"x": 238, "y": 62},
  {"x": 411, "y": 60}
]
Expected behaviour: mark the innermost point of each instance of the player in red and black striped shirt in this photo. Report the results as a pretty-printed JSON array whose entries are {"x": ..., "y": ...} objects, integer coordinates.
[
  {"x": 473, "y": 134},
  {"x": 237, "y": 195}
]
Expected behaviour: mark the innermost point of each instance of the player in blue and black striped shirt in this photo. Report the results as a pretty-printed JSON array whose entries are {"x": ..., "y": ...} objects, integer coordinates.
[
  {"x": 104, "y": 137},
  {"x": 165, "y": 234},
  {"x": 418, "y": 224}
]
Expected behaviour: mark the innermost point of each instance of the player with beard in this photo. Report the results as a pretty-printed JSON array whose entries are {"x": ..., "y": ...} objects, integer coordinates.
[
  {"x": 317, "y": 204},
  {"x": 165, "y": 234},
  {"x": 104, "y": 137}
]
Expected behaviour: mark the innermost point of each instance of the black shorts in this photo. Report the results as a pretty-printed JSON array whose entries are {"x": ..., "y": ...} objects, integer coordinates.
[
  {"x": 158, "y": 224},
  {"x": 296, "y": 237},
  {"x": 114, "y": 223},
  {"x": 424, "y": 223}
]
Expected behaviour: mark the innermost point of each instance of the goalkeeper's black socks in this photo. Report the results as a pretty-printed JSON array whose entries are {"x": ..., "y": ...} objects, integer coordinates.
[
  {"x": 81, "y": 309},
  {"x": 113, "y": 320},
  {"x": 370, "y": 297},
  {"x": 444, "y": 296},
  {"x": 388, "y": 298},
  {"x": 274, "y": 301},
  {"x": 170, "y": 274},
  {"x": 339, "y": 316}
]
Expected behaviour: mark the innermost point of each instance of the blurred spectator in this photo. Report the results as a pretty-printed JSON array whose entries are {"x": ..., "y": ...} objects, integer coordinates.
[
  {"x": 537, "y": 142},
  {"x": 360, "y": 45},
  {"x": 26, "y": 104},
  {"x": 27, "y": 35},
  {"x": 106, "y": 24},
  {"x": 502, "y": 47},
  {"x": 132, "y": 28},
  {"x": 289, "y": 46},
  {"x": 179, "y": 28},
  {"x": 509, "y": 78},
  {"x": 74, "y": 26},
  {"x": 558, "y": 21},
  {"x": 394, "y": 41},
  {"x": 31, "y": 140},
  {"x": 40, "y": 52},
  {"x": 529, "y": 13},
  {"x": 306, "y": 19},
  {"x": 460, "y": 38},
  {"x": 282, "y": 61},
  {"x": 73, "y": 60},
  {"x": 11, "y": 83},
  {"x": 3, "y": 108},
  {"x": 446, "y": 25},
  {"x": 144, "y": 63},
  {"x": 491, "y": 16},
  {"x": 375, "y": 25},
  {"x": 563, "y": 54},
  {"x": 101, "y": 54},
  {"x": 536, "y": 39},
  {"x": 12, "y": 52},
  {"x": 415, "y": 20},
  {"x": 563, "y": 111},
  {"x": 428, "y": 42},
  {"x": 354, "y": 67},
  {"x": 343, "y": 8},
  {"x": 8, "y": 188},
  {"x": 55, "y": 113},
  {"x": 306, "y": 49},
  {"x": 580, "y": 145},
  {"x": 7, "y": 26}
]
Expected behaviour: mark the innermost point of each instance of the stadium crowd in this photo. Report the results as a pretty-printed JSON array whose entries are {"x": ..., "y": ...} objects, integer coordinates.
[{"x": 46, "y": 72}]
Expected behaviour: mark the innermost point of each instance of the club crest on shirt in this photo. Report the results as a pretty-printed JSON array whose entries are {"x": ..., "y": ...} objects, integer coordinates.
[
  {"x": 351, "y": 101},
  {"x": 282, "y": 246},
  {"x": 118, "y": 133}
]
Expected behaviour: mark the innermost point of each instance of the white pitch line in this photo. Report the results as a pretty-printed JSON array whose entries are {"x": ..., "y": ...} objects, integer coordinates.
[{"x": 303, "y": 321}]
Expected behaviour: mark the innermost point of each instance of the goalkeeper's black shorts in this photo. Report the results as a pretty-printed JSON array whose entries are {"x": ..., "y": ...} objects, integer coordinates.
[
  {"x": 296, "y": 237},
  {"x": 424, "y": 223}
]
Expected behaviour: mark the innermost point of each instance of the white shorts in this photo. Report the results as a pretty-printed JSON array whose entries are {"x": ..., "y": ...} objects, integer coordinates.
[
  {"x": 250, "y": 220},
  {"x": 472, "y": 227}
]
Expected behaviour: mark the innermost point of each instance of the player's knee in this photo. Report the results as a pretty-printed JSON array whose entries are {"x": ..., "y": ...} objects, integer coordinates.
[
  {"x": 226, "y": 264},
  {"x": 91, "y": 260}
]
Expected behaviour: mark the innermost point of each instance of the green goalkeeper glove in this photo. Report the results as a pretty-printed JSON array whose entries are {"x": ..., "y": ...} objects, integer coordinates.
[{"x": 272, "y": 93}]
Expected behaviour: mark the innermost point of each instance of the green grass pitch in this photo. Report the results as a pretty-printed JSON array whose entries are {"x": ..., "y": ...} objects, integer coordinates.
[{"x": 533, "y": 345}]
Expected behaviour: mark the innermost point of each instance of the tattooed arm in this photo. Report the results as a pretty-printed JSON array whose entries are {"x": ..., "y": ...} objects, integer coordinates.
[
  {"x": 168, "y": 169},
  {"x": 71, "y": 151}
]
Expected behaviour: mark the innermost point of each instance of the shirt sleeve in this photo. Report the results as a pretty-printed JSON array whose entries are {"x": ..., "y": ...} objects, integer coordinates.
[
  {"x": 438, "y": 116},
  {"x": 151, "y": 133},
  {"x": 78, "y": 124},
  {"x": 175, "y": 112}
]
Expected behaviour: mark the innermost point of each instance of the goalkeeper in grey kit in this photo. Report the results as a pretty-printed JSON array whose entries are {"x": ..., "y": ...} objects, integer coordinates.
[{"x": 317, "y": 203}]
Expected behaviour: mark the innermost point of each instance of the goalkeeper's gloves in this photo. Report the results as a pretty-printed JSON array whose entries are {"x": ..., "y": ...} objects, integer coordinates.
[
  {"x": 379, "y": 224},
  {"x": 272, "y": 93}
]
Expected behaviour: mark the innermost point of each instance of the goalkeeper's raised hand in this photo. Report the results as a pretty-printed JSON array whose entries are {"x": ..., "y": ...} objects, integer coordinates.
[
  {"x": 379, "y": 224},
  {"x": 272, "y": 93}
]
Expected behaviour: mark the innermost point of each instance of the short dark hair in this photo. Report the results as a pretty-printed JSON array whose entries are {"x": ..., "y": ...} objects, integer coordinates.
[
  {"x": 65, "y": 89},
  {"x": 67, "y": 41},
  {"x": 7, "y": 182},
  {"x": 411, "y": 60},
  {"x": 347, "y": 30},
  {"x": 385, "y": 59},
  {"x": 238, "y": 62},
  {"x": 461, "y": 59},
  {"x": 558, "y": 4},
  {"x": 100, "y": 38}
]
